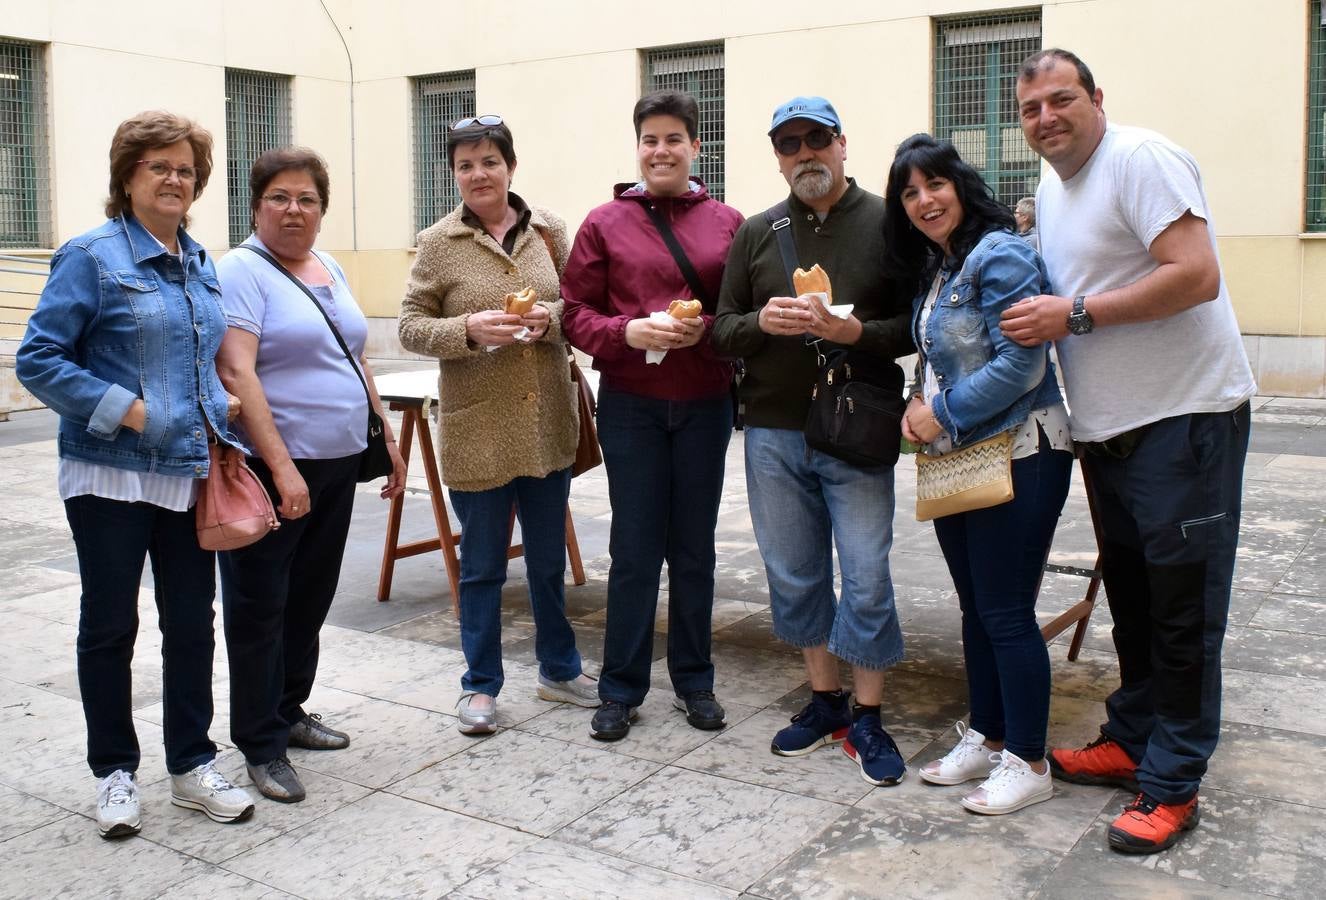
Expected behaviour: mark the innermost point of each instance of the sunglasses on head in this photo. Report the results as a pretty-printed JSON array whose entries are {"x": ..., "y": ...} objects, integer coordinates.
[
  {"x": 476, "y": 120},
  {"x": 815, "y": 139}
]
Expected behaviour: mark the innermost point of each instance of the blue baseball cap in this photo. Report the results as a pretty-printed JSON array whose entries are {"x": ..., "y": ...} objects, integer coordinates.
[{"x": 816, "y": 109}]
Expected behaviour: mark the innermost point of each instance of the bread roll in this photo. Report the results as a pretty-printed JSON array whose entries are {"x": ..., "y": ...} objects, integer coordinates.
[
  {"x": 521, "y": 302},
  {"x": 815, "y": 281},
  {"x": 684, "y": 309}
]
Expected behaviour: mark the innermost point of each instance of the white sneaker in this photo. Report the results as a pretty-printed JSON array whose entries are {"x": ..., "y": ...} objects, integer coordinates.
[
  {"x": 117, "y": 805},
  {"x": 207, "y": 790},
  {"x": 1010, "y": 787},
  {"x": 969, "y": 759},
  {"x": 581, "y": 690}
]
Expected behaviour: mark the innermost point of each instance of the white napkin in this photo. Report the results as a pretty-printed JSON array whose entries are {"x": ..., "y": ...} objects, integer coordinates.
[
  {"x": 654, "y": 357},
  {"x": 842, "y": 310}
]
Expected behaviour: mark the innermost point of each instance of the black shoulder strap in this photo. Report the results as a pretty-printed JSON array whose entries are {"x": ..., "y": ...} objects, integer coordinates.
[
  {"x": 683, "y": 262},
  {"x": 303, "y": 287},
  {"x": 779, "y": 217}
]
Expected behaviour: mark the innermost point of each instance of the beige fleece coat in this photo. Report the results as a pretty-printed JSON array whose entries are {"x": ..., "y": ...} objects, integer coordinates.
[{"x": 506, "y": 413}]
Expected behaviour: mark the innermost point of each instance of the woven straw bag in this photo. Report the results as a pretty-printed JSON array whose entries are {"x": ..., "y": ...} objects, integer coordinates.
[{"x": 968, "y": 478}]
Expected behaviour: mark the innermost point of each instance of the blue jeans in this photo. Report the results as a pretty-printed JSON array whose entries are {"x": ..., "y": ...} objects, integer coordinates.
[
  {"x": 801, "y": 502},
  {"x": 1169, "y": 514},
  {"x": 485, "y": 518},
  {"x": 665, "y": 463},
  {"x": 112, "y": 537},
  {"x": 996, "y": 556}
]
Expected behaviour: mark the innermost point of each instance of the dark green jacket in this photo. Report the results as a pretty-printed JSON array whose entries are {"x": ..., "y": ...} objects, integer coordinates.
[{"x": 849, "y": 246}]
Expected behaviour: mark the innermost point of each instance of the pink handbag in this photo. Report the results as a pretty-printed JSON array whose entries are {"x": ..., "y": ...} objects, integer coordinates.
[{"x": 233, "y": 508}]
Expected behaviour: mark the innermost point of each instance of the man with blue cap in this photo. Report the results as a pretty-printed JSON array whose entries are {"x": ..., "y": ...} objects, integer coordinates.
[{"x": 803, "y": 501}]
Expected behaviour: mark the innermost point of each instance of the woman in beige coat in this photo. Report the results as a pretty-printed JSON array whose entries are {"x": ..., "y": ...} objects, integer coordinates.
[{"x": 507, "y": 424}]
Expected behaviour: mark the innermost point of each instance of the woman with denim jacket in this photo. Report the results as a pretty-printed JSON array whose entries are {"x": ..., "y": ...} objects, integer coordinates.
[
  {"x": 948, "y": 236},
  {"x": 121, "y": 345}
]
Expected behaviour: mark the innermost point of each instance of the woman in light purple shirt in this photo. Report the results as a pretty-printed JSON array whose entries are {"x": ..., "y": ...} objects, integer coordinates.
[{"x": 305, "y": 414}]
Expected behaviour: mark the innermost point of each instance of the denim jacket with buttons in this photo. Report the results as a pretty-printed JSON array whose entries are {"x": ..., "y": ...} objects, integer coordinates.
[
  {"x": 987, "y": 383},
  {"x": 121, "y": 318}
]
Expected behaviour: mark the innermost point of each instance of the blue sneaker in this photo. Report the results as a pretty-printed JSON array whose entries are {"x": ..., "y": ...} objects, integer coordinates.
[
  {"x": 821, "y": 723},
  {"x": 871, "y": 748}
]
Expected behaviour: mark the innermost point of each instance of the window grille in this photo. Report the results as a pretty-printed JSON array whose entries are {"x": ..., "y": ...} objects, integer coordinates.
[
  {"x": 257, "y": 119},
  {"x": 1316, "y": 175},
  {"x": 976, "y": 70},
  {"x": 24, "y": 171},
  {"x": 698, "y": 70},
  {"x": 439, "y": 100}
]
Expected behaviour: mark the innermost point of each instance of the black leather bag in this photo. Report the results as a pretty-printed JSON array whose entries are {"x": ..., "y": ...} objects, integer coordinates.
[{"x": 856, "y": 410}]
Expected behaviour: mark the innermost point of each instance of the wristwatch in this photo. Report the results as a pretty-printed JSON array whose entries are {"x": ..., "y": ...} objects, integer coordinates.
[{"x": 1079, "y": 320}]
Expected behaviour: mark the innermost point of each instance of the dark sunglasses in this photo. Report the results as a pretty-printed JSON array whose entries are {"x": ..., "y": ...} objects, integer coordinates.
[
  {"x": 817, "y": 139},
  {"x": 476, "y": 120}
]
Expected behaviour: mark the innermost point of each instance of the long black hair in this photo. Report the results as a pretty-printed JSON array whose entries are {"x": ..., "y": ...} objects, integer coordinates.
[{"x": 909, "y": 255}]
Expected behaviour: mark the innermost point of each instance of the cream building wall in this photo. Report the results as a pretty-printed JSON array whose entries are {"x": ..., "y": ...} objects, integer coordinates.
[{"x": 1226, "y": 79}]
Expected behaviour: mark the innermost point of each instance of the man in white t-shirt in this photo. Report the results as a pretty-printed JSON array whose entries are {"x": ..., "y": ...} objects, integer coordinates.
[{"x": 1158, "y": 387}]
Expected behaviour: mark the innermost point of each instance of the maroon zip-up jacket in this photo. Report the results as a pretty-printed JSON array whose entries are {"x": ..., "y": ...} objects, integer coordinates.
[{"x": 620, "y": 269}]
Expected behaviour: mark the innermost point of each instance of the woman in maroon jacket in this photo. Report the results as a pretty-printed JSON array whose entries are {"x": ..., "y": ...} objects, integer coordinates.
[{"x": 664, "y": 423}]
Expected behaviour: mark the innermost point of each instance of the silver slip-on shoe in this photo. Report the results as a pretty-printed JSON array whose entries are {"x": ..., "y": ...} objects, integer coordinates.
[
  {"x": 207, "y": 790},
  {"x": 276, "y": 780},
  {"x": 573, "y": 691},
  {"x": 311, "y": 733},
  {"x": 471, "y": 721},
  {"x": 117, "y": 805}
]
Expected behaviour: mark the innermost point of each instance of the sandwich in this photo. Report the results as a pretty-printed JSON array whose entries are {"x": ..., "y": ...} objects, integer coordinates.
[
  {"x": 684, "y": 309},
  {"x": 521, "y": 301},
  {"x": 815, "y": 281}
]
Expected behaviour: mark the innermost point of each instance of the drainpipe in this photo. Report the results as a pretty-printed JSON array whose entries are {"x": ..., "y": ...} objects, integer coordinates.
[{"x": 354, "y": 182}]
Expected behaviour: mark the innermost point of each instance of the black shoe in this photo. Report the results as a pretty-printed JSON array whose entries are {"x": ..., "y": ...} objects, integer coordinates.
[
  {"x": 702, "y": 710},
  {"x": 612, "y": 721}
]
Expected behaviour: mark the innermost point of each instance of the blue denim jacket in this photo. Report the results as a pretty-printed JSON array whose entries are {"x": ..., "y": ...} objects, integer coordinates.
[
  {"x": 120, "y": 319},
  {"x": 987, "y": 383}
]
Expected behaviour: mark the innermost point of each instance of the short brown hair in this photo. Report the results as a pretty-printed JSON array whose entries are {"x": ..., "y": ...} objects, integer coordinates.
[
  {"x": 668, "y": 103},
  {"x": 273, "y": 162},
  {"x": 154, "y": 128}
]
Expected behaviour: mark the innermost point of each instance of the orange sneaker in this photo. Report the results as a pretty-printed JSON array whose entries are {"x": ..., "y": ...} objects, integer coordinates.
[
  {"x": 1103, "y": 761},
  {"x": 1147, "y": 826}
]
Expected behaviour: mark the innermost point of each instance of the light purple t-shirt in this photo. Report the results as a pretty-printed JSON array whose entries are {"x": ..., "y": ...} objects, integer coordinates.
[{"x": 317, "y": 400}]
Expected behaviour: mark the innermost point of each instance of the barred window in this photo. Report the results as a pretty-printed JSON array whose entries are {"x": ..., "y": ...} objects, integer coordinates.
[
  {"x": 1316, "y": 175},
  {"x": 976, "y": 71},
  {"x": 696, "y": 69},
  {"x": 24, "y": 172},
  {"x": 257, "y": 119},
  {"x": 439, "y": 100}
]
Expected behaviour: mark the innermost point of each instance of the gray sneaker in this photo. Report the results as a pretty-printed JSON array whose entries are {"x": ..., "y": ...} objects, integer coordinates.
[
  {"x": 117, "y": 805},
  {"x": 472, "y": 721},
  {"x": 207, "y": 790},
  {"x": 309, "y": 733},
  {"x": 276, "y": 780},
  {"x": 582, "y": 693}
]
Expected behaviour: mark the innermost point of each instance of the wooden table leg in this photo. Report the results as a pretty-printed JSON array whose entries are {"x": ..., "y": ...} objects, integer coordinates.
[
  {"x": 397, "y": 507},
  {"x": 573, "y": 549}
]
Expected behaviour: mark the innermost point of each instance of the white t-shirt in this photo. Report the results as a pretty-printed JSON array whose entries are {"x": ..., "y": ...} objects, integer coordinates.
[{"x": 1096, "y": 229}]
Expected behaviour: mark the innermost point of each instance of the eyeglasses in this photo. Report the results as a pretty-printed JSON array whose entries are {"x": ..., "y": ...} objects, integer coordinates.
[
  {"x": 307, "y": 202},
  {"x": 815, "y": 139},
  {"x": 162, "y": 169},
  {"x": 476, "y": 120}
]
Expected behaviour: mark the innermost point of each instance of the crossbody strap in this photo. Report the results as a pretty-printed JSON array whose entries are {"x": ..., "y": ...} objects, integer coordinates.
[
  {"x": 678, "y": 254},
  {"x": 303, "y": 287},
  {"x": 779, "y": 217}
]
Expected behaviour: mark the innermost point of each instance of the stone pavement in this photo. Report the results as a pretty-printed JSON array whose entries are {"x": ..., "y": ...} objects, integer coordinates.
[{"x": 413, "y": 808}]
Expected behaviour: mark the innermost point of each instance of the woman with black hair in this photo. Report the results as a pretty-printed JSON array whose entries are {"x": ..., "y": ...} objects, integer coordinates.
[{"x": 953, "y": 242}]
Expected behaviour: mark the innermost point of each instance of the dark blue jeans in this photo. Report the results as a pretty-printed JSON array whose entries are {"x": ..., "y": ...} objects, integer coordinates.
[
  {"x": 995, "y": 556},
  {"x": 1169, "y": 513},
  {"x": 665, "y": 463},
  {"x": 485, "y": 518},
  {"x": 112, "y": 538},
  {"x": 276, "y": 594}
]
